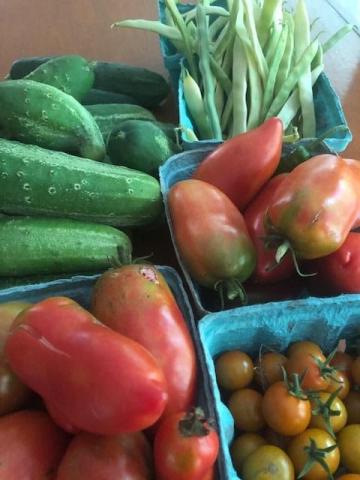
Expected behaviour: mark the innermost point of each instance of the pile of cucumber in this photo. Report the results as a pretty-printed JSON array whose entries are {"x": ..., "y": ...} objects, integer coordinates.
[{"x": 77, "y": 164}]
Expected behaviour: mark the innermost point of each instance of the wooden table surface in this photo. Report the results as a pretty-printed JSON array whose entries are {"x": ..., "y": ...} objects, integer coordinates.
[{"x": 42, "y": 27}]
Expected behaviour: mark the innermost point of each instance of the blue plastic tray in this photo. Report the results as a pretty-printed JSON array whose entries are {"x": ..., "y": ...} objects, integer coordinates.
[
  {"x": 328, "y": 108},
  {"x": 79, "y": 289},
  {"x": 276, "y": 325}
]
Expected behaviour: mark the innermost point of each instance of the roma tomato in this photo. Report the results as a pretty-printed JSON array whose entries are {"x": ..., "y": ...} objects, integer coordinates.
[
  {"x": 246, "y": 408},
  {"x": 185, "y": 447},
  {"x": 97, "y": 457},
  {"x": 93, "y": 378},
  {"x": 14, "y": 394},
  {"x": 243, "y": 164},
  {"x": 302, "y": 210},
  {"x": 136, "y": 301},
  {"x": 234, "y": 370},
  {"x": 31, "y": 446},
  {"x": 211, "y": 236},
  {"x": 314, "y": 444},
  {"x": 8, "y": 312},
  {"x": 339, "y": 272},
  {"x": 267, "y": 270},
  {"x": 349, "y": 444},
  {"x": 284, "y": 411},
  {"x": 268, "y": 462}
]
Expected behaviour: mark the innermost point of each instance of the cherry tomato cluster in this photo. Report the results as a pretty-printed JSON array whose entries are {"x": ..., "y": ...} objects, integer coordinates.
[
  {"x": 102, "y": 393},
  {"x": 297, "y": 414}
]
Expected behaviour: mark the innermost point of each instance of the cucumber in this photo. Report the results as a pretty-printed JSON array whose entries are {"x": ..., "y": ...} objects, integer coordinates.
[
  {"x": 140, "y": 144},
  {"x": 70, "y": 73},
  {"x": 36, "y": 246},
  {"x": 147, "y": 87},
  {"x": 41, "y": 114},
  {"x": 109, "y": 116},
  {"x": 96, "y": 96},
  {"x": 35, "y": 181}
]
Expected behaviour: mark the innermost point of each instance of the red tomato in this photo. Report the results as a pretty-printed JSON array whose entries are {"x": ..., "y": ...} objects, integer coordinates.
[
  {"x": 267, "y": 271},
  {"x": 284, "y": 412},
  {"x": 307, "y": 363},
  {"x": 14, "y": 394},
  {"x": 94, "y": 378},
  {"x": 8, "y": 313},
  {"x": 185, "y": 447},
  {"x": 339, "y": 272},
  {"x": 243, "y": 164},
  {"x": 31, "y": 446},
  {"x": 302, "y": 210},
  {"x": 97, "y": 457},
  {"x": 211, "y": 235},
  {"x": 136, "y": 301}
]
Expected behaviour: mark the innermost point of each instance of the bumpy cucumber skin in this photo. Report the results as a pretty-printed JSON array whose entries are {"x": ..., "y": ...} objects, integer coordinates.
[
  {"x": 149, "y": 88},
  {"x": 35, "y": 246},
  {"x": 109, "y": 116},
  {"x": 96, "y": 96},
  {"x": 35, "y": 181},
  {"x": 43, "y": 115},
  {"x": 71, "y": 74},
  {"x": 141, "y": 145}
]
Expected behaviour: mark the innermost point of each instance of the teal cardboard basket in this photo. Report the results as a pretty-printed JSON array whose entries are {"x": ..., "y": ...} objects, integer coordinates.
[
  {"x": 275, "y": 325},
  {"x": 79, "y": 289},
  {"x": 328, "y": 108}
]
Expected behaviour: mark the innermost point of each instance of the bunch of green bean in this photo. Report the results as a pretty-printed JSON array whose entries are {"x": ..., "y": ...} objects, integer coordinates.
[{"x": 245, "y": 61}]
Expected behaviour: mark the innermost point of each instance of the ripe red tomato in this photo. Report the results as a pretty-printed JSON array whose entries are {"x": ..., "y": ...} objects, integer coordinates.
[
  {"x": 97, "y": 457},
  {"x": 93, "y": 378},
  {"x": 234, "y": 370},
  {"x": 211, "y": 236},
  {"x": 8, "y": 313},
  {"x": 31, "y": 446},
  {"x": 299, "y": 453},
  {"x": 284, "y": 412},
  {"x": 242, "y": 165},
  {"x": 136, "y": 301},
  {"x": 185, "y": 447},
  {"x": 14, "y": 394}
]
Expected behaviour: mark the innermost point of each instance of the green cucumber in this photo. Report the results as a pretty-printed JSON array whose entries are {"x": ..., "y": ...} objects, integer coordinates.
[
  {"x": 70, "y": 73},
  {"x": 109, "y": 116},
  {"x": 147, "y": 87},
  {"x": 43, "y": 115},
  {"x": 96, "y": 96},
  {"x": 140, "y": 144},
  {"x": 36, "y": 246},
  {"x": 35, "y": 181}
]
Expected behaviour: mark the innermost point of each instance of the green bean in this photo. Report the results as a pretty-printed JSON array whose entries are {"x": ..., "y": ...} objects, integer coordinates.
[
  {"x": 227, "y": 114},
  {"x": 286, "y": 62},
  {"x": 251, "y": 28},
  {"x": 302, "y": 40},
  {"x": 151, "y": 26},
  {"x": 195, "y": 104},
  {"x": 239, "y": 88},
  {"x": 319, "y": 58},
  {"x": 217, "y": 26},
  {"x": 179, "y": 22},
  {"x": 228, "y": 39},
  {"x": 291, "y": 107},
  {"x": 220, "y": 75},
  {"x": 267, "y": 18},
  {"x": 256, "y": 93},
  {"x": 292, "y": 79},
  {"x": 219, "y": 11},
  {"x": 273, "y": 70},
  {"x": 337, "y": 37},
  {"x": 219, "y": 99},
  {"x": 205, "y": 70},
  {"x": 270, "y": 48}
]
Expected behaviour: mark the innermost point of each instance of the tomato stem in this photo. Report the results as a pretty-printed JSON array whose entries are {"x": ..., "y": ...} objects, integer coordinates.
[
  {"x": 324, "y": 409},
  {"x": 318, "y": 455},
  {"x": 194, "y": 424}
]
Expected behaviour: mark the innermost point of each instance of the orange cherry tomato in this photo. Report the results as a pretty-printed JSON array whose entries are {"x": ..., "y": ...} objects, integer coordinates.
[
  {"x": 355, "y": 371},
  {"x": 243, "y": 446},
  {"x": 337, "y": 422},
  {"x": 352, "y": 404},
  {"x": 299, "y": 455},
  {"x": 304, "y": 346},
  {"x": 284, "y": 412},
  {"x": 349, "y": 445},
  {"x": 342, "y": 361},
  {"x": 306, "y": 362},
  {"x": 245, "y": 406},
  {"x": 342, "y": 380},
  {"x": 349, "y": 476},
  {"x": 268, "y": 368},
  {"x": 234, "y": 370},
  {"x": 268, "y": 462}
]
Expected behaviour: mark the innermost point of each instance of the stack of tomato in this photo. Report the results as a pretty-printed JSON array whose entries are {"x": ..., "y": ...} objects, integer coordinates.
[
  {"x": 85, "y": 393},
  {"x": 296, "y": 415},
  {"x": 238, "y": 220}
]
